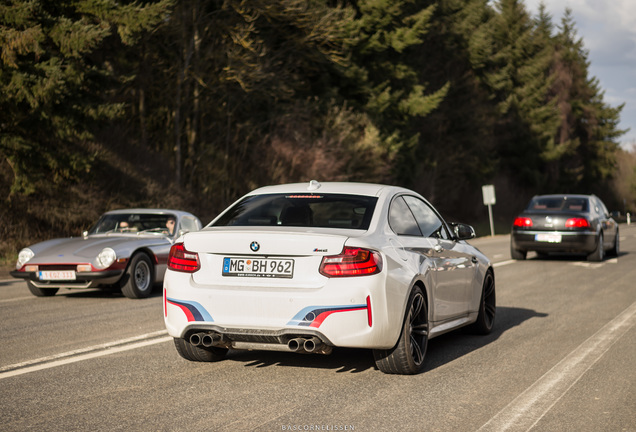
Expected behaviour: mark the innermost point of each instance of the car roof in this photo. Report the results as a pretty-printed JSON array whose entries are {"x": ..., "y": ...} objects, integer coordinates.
[
  {"x": 563, "y": 196},
  {"x": 370, "y": 189}
]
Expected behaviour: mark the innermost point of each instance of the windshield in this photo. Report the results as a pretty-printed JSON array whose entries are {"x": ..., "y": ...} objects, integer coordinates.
[
  {"x": 303, "y": 210},
  {"x": 135, "y": 223},
  {"x": 559, "y": 204}
]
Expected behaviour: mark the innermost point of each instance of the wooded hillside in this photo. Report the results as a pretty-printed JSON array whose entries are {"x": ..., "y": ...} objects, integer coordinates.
[{"x": 191, "y": 104}]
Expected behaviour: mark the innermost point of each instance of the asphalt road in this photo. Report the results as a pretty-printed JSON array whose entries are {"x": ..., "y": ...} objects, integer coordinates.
[{"x": 562, "y": 357}]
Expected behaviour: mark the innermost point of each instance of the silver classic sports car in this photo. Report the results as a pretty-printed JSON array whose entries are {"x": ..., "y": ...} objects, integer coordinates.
[{"x": 125, "y": 248}]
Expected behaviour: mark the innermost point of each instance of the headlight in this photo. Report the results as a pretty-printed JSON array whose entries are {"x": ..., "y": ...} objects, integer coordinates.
[
  {"x": 105, "y": 258},
  {"x": 25, "y": 255}
]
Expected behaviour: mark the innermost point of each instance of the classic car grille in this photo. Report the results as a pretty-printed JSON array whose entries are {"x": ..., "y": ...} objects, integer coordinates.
[{"x": 57, "y": 267}]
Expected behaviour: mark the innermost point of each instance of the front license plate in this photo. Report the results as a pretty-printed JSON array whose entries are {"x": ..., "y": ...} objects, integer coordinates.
[
  {"x": 549, "y": 238},
  {"x": 57, "y": 275},
  {"x": 258, "y": 267}
]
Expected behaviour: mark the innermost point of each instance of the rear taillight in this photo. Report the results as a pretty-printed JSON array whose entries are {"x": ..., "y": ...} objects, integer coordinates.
[
  {"x": 577, "y": 223},
  {"x": 523, "y": 222},
  {"x": 183, "y": 260},
  {"x": 351, "y": 262}
]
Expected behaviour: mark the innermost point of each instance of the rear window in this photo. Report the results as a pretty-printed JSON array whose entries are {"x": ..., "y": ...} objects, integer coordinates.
[
  {"x": 302, "y": 210},
  {"x": 559, "y": 204}
]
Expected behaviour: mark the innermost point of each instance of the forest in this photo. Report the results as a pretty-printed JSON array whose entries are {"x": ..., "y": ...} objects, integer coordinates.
[{"x": 190, "y": 104}]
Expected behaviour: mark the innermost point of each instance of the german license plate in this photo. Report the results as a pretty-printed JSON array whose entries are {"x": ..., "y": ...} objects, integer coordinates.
[
  {"x": 549, "y": 238},
  {"x": 258, "y": 267},
  {"x": 57, "y": 275}
]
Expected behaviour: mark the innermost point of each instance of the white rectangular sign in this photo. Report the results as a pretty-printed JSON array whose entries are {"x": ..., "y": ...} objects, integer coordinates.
[{"x": 488, "y": 192}]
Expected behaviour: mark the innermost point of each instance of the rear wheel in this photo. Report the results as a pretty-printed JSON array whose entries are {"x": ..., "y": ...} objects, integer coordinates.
[
  {"x": 517, "y": 254},
  {"x": 139, "y": 277},
  {"x": 41, "y": 292},
  {"x": 487, "y": 307},
  {"x": 200, "y": 354},
  {"x": 599, "y": 253},
  {"x": 407, "y": 357},
  {"x": 615, "y": 251}
]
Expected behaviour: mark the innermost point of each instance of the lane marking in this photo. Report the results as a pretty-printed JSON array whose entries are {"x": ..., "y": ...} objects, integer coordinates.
[
  {"x": 16, "y": 299},
  {"x": 503, "y": 263},
  {"x": 527, "y": 409},
  {"x": 84, "y": 354}
]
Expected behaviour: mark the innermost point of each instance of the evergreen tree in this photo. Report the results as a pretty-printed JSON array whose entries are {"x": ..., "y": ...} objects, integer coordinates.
[
  {"x": 588, "y": 127},
  {"x": 384, "y": 77},
  {"x": 54, "y": 82}
]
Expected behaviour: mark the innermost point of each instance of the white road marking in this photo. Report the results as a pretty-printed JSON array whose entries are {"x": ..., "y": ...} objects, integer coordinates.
[
  {"x": 503, "y": 263},
  {"x": 527, "y": 409},
  {"x": 17, "y": 299},
  {"x": 84, "y": 354}
]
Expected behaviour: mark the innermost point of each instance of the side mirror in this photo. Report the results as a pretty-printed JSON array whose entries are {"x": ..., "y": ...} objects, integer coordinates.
[{"x": 463, "y": 231}]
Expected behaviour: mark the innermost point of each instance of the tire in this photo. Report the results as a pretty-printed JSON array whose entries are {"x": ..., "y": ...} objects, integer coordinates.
[
  {"x": 599, "y": 253},
  {"x": 487, "y": 307},
  {"x": 615, "y": 251},
  {"x": 517, "y": 254},
  {"x": 41, "y": 292},
  {"x": 139, "y": 277},
  {"x": 407, "y": 357},
  {"x": 200, "y": 354}
]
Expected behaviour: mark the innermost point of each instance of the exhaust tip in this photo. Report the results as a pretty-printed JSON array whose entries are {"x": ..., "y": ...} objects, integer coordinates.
[
  {"x": 312, "y": 344},
  {"x": 295, "y": 344},
  {"x": 195, "y": 339}
]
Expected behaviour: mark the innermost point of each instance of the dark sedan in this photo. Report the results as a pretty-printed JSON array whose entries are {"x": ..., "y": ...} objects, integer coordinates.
[{"x": 577, "y": 224}]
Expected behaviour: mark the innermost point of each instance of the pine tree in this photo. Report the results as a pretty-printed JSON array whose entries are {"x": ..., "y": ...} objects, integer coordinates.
[
  {"x": 54, "y": 82},
  {"x": 589, "y": 127}
]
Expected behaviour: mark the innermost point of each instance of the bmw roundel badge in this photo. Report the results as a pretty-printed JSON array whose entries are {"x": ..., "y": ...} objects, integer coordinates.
[{"x": 255, "y": 246}]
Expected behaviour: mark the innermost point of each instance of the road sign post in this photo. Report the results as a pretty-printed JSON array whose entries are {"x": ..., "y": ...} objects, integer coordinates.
[{"x": 488, "y": 192}]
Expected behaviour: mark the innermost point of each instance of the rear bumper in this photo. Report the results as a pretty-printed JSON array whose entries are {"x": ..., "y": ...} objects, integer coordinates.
[
  {"x": 345, "y": 312},
  {"x": 574, "y": 242}
]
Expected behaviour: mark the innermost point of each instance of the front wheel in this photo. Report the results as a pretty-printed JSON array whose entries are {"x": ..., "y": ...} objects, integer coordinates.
[
  {"x": 41, "y": 292},
  {"x": 200, "y": 354},
  {"x": 407, "y": 357},
  {"x": 139, "y": 277}
]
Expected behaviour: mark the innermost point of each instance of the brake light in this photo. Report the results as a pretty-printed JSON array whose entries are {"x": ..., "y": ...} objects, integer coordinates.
[
  {"x": 182, "y": 260},
  {"x": 577, "y": 223},
  {"x": 523, "y": 222},
  {"x": 351, "y": 262}
]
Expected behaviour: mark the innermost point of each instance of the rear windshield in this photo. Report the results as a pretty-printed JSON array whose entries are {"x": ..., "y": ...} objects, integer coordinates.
[
  {"x": 559, "y": 204},
  {"x": 303, "y": 210}
]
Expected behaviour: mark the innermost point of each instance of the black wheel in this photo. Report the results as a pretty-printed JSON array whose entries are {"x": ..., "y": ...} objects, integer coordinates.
[
  {"x": 139, "y": 277},
  {"x": 407, "y": 357},
  {"x": 615, "y": 251},
  {"x": 41, "y": 292},
  {"x": 200, "y": 354},
  {"x": 487, "y": 307},
  {"x": 517, "y": 254},
  {"x": 599, "y": 253}
]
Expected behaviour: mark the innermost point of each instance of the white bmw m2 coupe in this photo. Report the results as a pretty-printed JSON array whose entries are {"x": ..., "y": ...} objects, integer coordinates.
[{"x": 309, "y": 267}]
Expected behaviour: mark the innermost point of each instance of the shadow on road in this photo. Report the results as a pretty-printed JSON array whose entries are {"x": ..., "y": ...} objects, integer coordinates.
[{"x": 441, "y": 350}]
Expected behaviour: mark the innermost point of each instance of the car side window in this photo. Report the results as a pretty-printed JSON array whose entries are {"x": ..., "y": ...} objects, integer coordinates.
[
  {"x": 602, "y": 209},
  {"x": 189, "y": 224},
  {"x": 429, "y": 222},
  {"x": 402, "y": 220}
]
